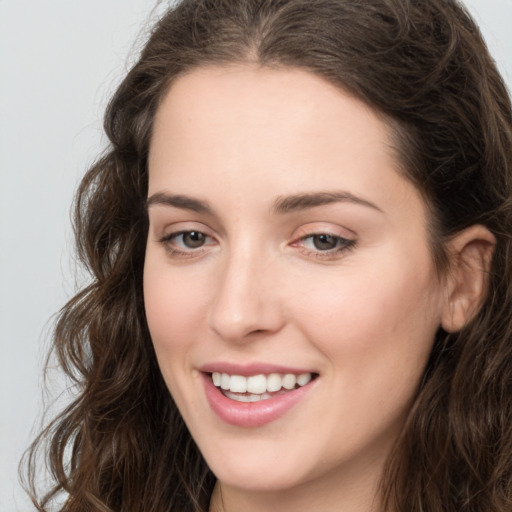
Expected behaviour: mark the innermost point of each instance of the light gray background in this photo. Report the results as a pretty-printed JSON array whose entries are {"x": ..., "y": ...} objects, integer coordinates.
[{"x": 59, "y": 63}]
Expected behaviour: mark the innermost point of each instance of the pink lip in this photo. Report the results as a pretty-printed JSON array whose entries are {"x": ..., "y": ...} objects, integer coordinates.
[
  {"x": 247, "y": 370},
  {"x": 253, "y": 414}
]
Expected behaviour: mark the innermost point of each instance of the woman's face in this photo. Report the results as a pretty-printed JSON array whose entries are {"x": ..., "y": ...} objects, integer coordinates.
[{"x": 284, "y": 242}]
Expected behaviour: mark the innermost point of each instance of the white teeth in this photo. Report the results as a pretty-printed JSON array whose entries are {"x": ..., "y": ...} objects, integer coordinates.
[
  {"x": 303, "y": 379},
  {"x": 257, "y": 384},
  {"x": 247, "y": 398},
  {"x": 274, "y": 382},
  {"x": 289, "y": 381},
  {"x": 224, "y": 381},
  {"x": 239, "y": 398},
  {"x": 237, "y": 384},
  {"x": 257, "y": 387}
]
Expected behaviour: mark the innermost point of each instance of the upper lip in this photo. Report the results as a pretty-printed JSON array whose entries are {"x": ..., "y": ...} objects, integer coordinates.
[{"x": 255, "y": 368}]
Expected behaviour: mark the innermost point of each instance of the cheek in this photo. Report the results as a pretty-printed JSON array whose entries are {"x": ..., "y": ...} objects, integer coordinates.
[
  {"x": 174, "y": 304},
  {"x": 174, "y": 307},
  {"x": 375, "y": 319}
]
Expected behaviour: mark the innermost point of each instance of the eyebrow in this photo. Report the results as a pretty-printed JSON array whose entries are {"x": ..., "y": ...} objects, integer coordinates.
[
  {"x": 179, "y": 201},
  {"x": 282, "y": 205},
  {"x": 298, "y": 202}
]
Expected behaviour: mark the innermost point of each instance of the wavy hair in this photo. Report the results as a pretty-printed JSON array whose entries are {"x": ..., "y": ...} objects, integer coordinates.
[{"x": 121, "y": 445}]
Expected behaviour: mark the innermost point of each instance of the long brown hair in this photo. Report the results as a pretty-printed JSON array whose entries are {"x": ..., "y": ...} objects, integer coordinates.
[{"x": 121, "y": 445}]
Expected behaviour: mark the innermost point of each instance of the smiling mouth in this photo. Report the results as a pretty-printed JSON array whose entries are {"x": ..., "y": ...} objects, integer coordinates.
[{"x": 259, "y": 387}]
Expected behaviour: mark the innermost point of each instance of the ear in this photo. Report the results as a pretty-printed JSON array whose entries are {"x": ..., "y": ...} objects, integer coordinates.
[{"x": 470, "y": 253}]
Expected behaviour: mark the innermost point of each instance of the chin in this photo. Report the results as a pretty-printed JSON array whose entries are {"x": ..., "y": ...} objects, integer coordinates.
[
  {"x": 252, "y": 480},
  {"x": 253, "y": 471}
]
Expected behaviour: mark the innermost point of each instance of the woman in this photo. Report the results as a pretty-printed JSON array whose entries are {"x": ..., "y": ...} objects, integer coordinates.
[{"x": 299, "y": 242}]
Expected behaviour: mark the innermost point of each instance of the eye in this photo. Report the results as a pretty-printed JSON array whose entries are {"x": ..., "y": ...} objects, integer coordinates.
[
  {"x": 323, "y": 245},
  {"x": 186, "y": 243},
  {"x": 190, "y": 239},
  {"x": 324, "y": 242}
]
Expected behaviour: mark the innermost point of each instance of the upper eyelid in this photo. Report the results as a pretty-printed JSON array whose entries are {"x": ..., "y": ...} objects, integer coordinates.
[
  {"x": 347, "y": 241},
  {"x": 319, "y": 233},
  {"x": 165, "y": 218},
  {"x": 306, "y": 234},
  {"x": 173, "y": 228},
  {"x": 303, "y": 232},
  {"x": 315, "y": 228},
  {"x": 169, "y": 236}
]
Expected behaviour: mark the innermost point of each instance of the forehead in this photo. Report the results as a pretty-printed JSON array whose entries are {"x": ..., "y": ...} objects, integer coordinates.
[
  {"x": 270, "y": 131},
  {"x": 248, "y": 95}
]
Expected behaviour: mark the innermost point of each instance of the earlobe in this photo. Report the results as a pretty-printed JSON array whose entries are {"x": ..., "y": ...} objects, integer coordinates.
[{"x": 470, "y": 254}]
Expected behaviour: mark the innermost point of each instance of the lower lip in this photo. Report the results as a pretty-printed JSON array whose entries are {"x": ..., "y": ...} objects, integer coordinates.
[{"x": 251, "y": 414}]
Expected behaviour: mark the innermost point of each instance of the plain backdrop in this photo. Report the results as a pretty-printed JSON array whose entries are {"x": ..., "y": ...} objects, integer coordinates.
[{"x": 60, "y": 60}]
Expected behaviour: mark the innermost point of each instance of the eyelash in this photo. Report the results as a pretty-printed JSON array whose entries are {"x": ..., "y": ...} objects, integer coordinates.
[
  {"x": 342, "y": 245},
  {"x": 167, "y": 241}
]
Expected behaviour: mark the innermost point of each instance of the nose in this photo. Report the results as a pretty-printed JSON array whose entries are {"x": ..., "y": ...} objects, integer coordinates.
[{"x": 245, "y": 303}]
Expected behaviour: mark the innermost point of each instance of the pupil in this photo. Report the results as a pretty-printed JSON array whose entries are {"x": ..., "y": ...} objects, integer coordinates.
[
  {"x": 324, "y": 242},
  {"x": 193, "y": 239}
]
